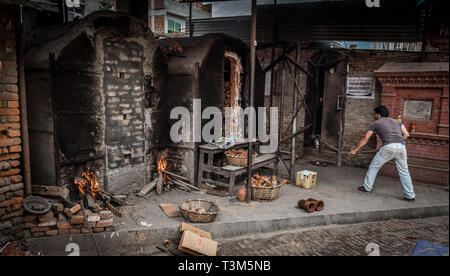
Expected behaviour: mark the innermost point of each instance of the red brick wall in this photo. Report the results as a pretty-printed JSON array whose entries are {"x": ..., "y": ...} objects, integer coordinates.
[
  {"x": 159, "y": 23},
  {"x": 11, "y": 186},
  {"x": 444, "y": 123},
  {"x": 428, "y": 146}
]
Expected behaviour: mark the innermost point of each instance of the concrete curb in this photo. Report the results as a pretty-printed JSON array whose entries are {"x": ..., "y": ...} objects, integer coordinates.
[{"x": 143, "y": 241}]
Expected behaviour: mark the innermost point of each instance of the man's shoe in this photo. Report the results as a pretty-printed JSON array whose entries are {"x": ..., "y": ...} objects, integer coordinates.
[
  {"x": 362, "y": 189},
  {"x": 409, "y": 199}
]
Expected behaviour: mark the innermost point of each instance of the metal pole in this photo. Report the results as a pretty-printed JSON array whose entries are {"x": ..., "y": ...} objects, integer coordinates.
[
  {"x": 190, "y": 20},
  {"x": 425, "y": 27},
  {"x": 23, "y": 102},
  {"x": 252, "y": 94},
  {"x": 280, "y": 124},
  {"x": 272, "y": 72},
  {"x": 294, "y": 122}
]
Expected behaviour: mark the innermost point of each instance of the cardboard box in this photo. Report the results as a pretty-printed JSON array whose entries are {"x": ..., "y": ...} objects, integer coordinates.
[
  {"x": 195, "y": 244},
  {"x": 306, "y": 179},
  {"x": 187, "y": 227}
]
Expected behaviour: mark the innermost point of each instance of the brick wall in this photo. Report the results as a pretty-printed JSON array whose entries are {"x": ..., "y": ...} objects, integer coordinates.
[
  {"x": 159, "y": 23},
  {"x": 359, "y": 112},
  {"x": 124, "y": 112},
  {"x": 428, "y": 145},
  {"x": 159, "y": 4},
  {"x": 11, "y": 186}
]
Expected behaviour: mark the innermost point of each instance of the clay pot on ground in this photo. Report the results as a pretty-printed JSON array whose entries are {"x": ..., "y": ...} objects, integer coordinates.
[
  {"x": 308, "y": 206},
  {"x": 318, "y": 204},
  {"x": 242, "y": 193}
]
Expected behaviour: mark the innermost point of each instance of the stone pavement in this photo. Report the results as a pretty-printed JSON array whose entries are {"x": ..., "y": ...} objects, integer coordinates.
[
  {"x": 392, "y": 238},
  {"x": 337, "y": 187}
]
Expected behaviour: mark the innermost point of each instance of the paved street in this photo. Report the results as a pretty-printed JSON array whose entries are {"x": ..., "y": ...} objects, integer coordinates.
[{"x": 394, "y": 237}]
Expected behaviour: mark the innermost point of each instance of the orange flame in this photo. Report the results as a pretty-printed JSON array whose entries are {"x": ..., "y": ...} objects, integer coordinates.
[
  {"x": 162, "y": 165},
  {"x": 88, "y": 184}
]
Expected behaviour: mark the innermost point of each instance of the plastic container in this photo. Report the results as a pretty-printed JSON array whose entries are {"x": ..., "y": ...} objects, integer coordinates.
[{"x": 306, "y": 179}]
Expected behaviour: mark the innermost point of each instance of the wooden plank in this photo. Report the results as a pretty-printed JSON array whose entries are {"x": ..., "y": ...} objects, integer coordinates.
[
  {"x": 50, "y": 191},
  {"x": 113, "y": 209},
  {"x": 188, "y": 185},
  {"x": 159, "y": 183},
  {"x": 259, "y": 160},
  {"x": 170, "y": 210},
  {"x": 182, "y": 185},
  {"x": 113, "y": 199},
  {"x": 176, "y": 175},
  {"x": 147, "y": 188},
  {"x": 232, "y": 168}
]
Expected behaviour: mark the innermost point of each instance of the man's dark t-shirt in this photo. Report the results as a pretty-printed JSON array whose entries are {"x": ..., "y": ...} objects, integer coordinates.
[{"x": 390, "y": 130}]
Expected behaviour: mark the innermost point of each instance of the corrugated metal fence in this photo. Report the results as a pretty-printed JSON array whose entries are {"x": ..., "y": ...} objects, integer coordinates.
[{"x": 351, "y": 20}]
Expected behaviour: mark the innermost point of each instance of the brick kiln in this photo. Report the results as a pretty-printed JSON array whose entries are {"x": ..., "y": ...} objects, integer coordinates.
[
  {"x": 216, "y": 69},
  {"x": 95, "y": 101}
]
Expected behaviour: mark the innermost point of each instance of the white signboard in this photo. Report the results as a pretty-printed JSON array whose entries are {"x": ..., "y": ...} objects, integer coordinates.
[
  {"x": 361, "y": 88},
  {"x": 73, "y": 3}
]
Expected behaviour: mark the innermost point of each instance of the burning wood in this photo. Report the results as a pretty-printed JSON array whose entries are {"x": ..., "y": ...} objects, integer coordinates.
[
  {"x": 168, "y": 180},
  {"x": 88, "y": 184},
  {"x": 165, "y": 181},
  {"x": 89, "y": 189}
]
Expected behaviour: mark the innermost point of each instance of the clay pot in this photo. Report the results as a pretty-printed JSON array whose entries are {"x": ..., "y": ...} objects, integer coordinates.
[
  {"x": 309, "y": 206},
  {"x": 318, "y": 204},
  {"x": 242, "y": 193},
  {"x": 413, "y": 127},
  {"x": 274, "y": 180}
]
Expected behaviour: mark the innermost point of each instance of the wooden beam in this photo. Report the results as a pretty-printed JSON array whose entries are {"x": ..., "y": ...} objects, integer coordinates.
[
  {"x": 176, "y": 175},
  {"x": 147, "y": 188},
  {"x": 113, "y": 209},
  {"x": 113, "y": 198},
  {"x": 50, "y": 191}
]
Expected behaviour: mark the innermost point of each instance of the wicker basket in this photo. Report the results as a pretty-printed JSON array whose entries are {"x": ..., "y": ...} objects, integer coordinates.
[
  {"x": 266, "y": 193},
  {"x": 240, "y": 161},
  {"x": 199, "y": 210}
]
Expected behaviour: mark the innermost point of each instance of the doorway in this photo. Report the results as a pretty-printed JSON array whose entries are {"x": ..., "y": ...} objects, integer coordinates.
[
  {"x": 325, "y": 98},
  {"x": 232, "y": 74}
]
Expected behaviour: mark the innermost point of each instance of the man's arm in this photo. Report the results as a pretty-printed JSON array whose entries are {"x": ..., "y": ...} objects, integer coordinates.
[
  {"x": 405, "y": 132},
  {"x": 362, "y": 143}
]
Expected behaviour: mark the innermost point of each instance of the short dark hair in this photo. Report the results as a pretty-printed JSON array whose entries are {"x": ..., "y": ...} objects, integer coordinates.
[{"x": 382, "y": 110}]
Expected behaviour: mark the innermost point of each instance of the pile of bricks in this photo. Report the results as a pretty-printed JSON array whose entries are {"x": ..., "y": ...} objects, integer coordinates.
[
  {"x": 65, "y": 221},
  {"x": 11, "y": 185}
]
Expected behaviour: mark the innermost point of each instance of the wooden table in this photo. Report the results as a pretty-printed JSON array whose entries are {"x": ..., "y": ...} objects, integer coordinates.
[{"x": 206, "y": 167}]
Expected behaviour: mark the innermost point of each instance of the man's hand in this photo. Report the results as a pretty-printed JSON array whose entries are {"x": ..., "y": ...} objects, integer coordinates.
[{"x": 362, "y": 143}]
